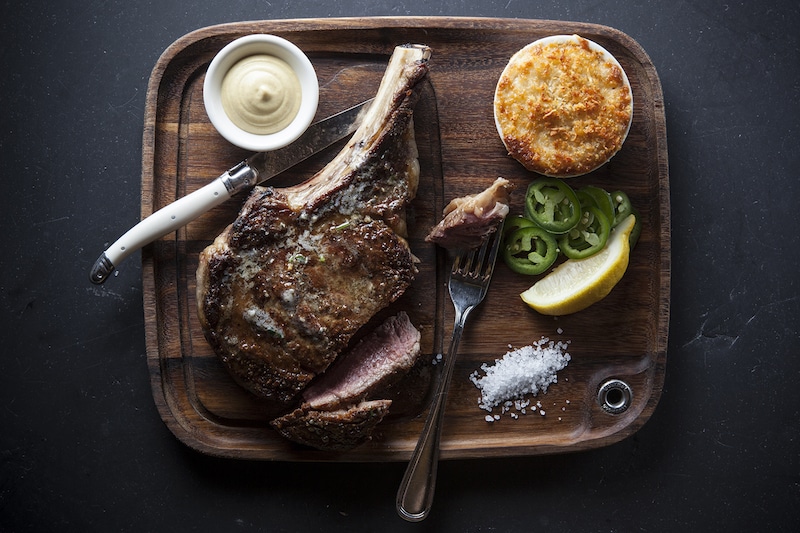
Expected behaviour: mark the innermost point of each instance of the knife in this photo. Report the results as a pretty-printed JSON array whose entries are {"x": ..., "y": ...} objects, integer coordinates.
[{"x": 252, "y": 171}]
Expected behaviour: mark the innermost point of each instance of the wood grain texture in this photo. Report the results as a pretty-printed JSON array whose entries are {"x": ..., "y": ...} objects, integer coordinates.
[{"x": 624, "y": 336}]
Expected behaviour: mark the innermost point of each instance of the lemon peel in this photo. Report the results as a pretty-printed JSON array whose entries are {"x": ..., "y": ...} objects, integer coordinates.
[{"x": 576, "y": 284}]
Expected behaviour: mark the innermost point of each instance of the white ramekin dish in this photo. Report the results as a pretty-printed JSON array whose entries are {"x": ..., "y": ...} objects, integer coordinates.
[{"x": 251, "y": 45}]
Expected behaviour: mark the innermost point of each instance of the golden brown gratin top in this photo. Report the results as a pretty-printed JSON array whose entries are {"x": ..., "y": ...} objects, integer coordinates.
[{"x": 563, "y": 106}]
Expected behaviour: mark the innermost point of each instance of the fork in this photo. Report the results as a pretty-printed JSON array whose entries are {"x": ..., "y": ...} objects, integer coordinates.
[{"x": 468, "y": 284}]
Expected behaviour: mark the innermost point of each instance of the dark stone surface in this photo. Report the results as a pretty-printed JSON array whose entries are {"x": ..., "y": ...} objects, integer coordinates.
[{"x": 82, "y": 447}]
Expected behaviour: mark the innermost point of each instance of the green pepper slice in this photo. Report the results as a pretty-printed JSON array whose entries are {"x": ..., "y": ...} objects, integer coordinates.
[
  {"x": 585, "y": 198},
  {"x": 622, "y": 207},
  {"x": 602, "y": 199},
  {"x": 530, "y": 250},
  {"x": 588, "y": 237},
  {"x": 637, "y": 228},
  {"x": 552, "y": 205},
  {"x": 514, "y": 223}
]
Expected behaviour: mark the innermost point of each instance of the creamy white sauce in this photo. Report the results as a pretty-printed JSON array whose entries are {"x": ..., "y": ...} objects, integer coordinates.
[{"x": 261, "y": 94}]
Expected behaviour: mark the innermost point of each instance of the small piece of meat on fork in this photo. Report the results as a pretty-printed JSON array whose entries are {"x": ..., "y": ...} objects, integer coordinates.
[{"x": 469, "y": 220}]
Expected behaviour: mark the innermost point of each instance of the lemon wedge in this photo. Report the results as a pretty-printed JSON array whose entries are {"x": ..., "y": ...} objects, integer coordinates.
[{"x": 576, "y": 284}]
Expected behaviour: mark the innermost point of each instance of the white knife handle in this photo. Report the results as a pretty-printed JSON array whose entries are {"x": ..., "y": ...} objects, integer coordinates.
[{"x": 163, "y": 221}]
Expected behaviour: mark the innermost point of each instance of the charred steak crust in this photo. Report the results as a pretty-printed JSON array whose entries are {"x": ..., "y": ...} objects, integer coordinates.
[
  {"x": 283, "y": 289},
  {"x": 339, "y": 430}
]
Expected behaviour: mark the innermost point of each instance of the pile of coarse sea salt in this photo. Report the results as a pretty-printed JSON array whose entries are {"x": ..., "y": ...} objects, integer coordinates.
[{"x": 524, "y": 371}]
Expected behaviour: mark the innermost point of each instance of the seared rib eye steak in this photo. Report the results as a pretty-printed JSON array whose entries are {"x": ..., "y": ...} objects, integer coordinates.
[{"x": 283, "y": 289}]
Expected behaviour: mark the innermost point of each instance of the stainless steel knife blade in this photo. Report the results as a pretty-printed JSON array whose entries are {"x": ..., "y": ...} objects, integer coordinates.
[
  {"x": 252, "y": 171},
  {"x": 320, "y": 135}
]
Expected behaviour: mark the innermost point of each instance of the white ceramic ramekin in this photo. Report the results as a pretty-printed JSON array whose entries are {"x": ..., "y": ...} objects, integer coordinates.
[{"x": 238, "y": 50}]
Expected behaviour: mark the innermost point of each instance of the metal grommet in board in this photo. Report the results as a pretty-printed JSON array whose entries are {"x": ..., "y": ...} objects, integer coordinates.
[{"x": 615, "y": 396}]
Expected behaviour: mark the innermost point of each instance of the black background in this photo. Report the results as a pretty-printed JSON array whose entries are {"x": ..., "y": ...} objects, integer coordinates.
[{"x": 82, "y": 447}]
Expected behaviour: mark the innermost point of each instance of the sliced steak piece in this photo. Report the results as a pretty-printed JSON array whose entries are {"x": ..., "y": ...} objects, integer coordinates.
[
  {"x": 469, "y": 220},
  {"x": 283, "y": 289},
  {"x": 335, "y": 413},
  {"x": 377, "y": 361},
  {"x": 338, "y": 430}
]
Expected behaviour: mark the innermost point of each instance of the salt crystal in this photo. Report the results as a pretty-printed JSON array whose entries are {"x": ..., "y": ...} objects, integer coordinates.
[
  {"x": 489, "y": 418},
  {"x": 526, "y": 370}
]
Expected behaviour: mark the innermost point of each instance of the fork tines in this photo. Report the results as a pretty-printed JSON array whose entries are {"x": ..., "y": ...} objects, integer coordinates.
[{"x": 479, "y": 262}]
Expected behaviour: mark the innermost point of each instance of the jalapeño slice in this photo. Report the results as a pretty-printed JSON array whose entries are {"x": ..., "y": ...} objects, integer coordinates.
[
  {"x": 514, "y": 223},
  {"x": 552, "y": 205},
  {"x": 588, "y": 237},
  {"x": 601, "y": 199},
  {"x": 637, "y": 228},
  {"x": 622, "y": 207},
  {"x": 529, "y": 250}
]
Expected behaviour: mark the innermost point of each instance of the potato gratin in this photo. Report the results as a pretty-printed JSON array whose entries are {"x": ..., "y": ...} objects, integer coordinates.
[{"x": 563, "y": 106}]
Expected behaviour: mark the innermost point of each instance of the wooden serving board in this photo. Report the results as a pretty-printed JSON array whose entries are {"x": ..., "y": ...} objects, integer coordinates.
[{"x": 624, "y": 336}]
